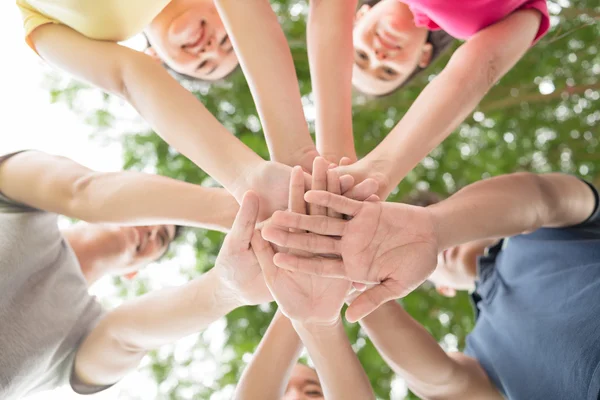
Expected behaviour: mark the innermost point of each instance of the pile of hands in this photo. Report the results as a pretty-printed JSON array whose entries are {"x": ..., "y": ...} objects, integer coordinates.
[{"x": 335, "y": 243}]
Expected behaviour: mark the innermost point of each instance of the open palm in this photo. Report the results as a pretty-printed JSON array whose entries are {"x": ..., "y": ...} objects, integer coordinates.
[{"x": 391, "y": 245}]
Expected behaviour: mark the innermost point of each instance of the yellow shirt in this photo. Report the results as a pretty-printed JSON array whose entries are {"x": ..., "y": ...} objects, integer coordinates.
[{"x": 113, "y": 20}]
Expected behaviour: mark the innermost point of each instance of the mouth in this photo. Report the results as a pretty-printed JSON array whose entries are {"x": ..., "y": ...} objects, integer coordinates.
[
  {"x": 198, "y": 39},
  {"x": 387, "y": 41}
]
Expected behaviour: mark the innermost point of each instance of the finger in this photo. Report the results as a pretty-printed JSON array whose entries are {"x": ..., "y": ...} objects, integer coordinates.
[
  {"x": 373, "y": 198},
  {"x": 360, "y": 287},
  {"x": 319, "y": 182},
  {"x": 332, "y": 165},
  {"x": 313, "y": 223},
  {"x": 346, "y": 182},
  {"x": 264, "y": 254},
  {"x": 245, "y": 220},
  {"x": 345, "y": 161},
  {"x": 363, "y": 190},
  {"x": 296, "y": 201},
  {"x": 333, "y": 186},
  {"x": 310, "y": 242},
  {"x": 370, "y": 300},
  {"x": 338, "y": 203},
  {"x": 325, "y": 267}
]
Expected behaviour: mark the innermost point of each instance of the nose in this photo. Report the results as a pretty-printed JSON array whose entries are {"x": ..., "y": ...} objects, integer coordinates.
[
  {"x": 381, "y": 54},
  {"x": 211, "y": 47}
]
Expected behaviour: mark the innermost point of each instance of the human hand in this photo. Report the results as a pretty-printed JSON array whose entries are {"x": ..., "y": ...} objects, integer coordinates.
[
  {"x": 236, "y": 266},
  {"x": 271, "y": 181},
  {"x": 392, "y": 245},
  {"x": 302, "y": 297},
  {"x": 365, "y": 169}
]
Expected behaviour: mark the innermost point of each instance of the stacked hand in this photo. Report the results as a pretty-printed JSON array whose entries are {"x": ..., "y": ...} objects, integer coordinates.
[{"x": 391, "y": 245}]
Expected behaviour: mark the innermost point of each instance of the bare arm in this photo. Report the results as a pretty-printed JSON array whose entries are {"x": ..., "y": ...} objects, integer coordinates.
[
  {"x": 414, "y": 355},
  {"x": 329, "y": 36},
  {"x": 170, "y": 109},
  {"x": 267, "y": 62},
  {"x": 473, "y": 69},
  {"x": 269, "y": 370},
  {"x": 122, "y": 338},
  {"x": 512, "y": 204},
  {"x": 340, "y": 372},
  {"x": 59, "y": 185}
]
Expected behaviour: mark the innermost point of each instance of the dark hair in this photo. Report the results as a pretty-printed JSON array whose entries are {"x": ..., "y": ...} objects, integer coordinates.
[
  {"x": 179, "y": 231},
  {"x": 440, "y": 42},
  {"x": 423, "y": 198}
]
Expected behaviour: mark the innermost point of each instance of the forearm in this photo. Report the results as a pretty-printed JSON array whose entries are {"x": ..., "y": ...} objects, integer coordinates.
[
  {"x": 186, "y": 124},
  {"x": 473, "y": 69},
  {"x": 267, "y": 374},
  {"x": 171, "y": 110},
  {"x": 436, "y": 112},
  {"x": 341, "y": 374},
  {"x": 511, "y": 204},
  {"x": 124, "y": 335},
  {"x": 409, "y": 349},
  {"x": 135, "y": 198},
  {"x": 329, "y": 40},
  {"x": 267, "y": 62}
]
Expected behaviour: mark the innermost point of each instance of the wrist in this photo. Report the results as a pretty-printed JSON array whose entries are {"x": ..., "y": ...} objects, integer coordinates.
[
  {"x": 381, "y": 169},
  {"x": 225, "y": 297},
  {"x": 317, "y": 327},
  {"x": 244, "y": 181}
]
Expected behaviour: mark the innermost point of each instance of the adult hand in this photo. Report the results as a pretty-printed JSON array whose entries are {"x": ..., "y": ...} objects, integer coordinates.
[
  {"x": 365, "y": 169},
  {"x": 389, "y": 244},
  {"x": 236, "y": 266},
  {"x": 271, "y": 181},
  {"x": 302, "y": 297}
]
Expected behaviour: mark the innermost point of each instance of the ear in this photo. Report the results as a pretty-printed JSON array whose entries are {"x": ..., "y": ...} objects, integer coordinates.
[
  {"x": 446, "y": 291},
  {"x": 131, "y": 275},
  {"x": 362, "y": 11},
  {"x": 426, "y": 54},
  {"x": 152, "y": 53}
]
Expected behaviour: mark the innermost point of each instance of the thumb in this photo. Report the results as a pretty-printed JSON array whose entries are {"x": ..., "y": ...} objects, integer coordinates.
[
  {"x": 245, "y": 220},
  {"x": 369, "y": 301}
]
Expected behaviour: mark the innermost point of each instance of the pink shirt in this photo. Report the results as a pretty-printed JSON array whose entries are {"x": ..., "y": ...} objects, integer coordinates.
[{"x": 464, "y": 18}]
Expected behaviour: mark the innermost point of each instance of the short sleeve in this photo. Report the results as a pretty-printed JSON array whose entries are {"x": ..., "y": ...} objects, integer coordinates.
[
  {"x": 542, "y": 7},
  {"x": 32, "y": 19},
  {"x": 594, "y": 218},
  {"x": 7, "y": 205},
  {"x": 421, "y": 19}
]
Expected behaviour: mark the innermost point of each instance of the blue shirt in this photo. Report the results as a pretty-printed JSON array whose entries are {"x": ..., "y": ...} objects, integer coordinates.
[{"x": 537, "y": 333}]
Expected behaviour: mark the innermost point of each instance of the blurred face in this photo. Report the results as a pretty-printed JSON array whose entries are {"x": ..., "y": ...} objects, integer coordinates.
[
  {"x": 303, "y": 385},
  {"x": 123, "y": 249},
  {"x": 189, "y": 36},
  {"x": 457, "y": 267},
  {"x": 387, "y": 47}
]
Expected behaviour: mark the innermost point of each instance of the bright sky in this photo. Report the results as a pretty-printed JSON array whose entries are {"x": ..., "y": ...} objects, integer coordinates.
[{"x": 28, "y": 120}]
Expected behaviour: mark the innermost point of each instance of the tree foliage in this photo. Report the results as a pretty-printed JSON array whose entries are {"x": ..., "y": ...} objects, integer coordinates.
[{"x": 542, "y": 116}]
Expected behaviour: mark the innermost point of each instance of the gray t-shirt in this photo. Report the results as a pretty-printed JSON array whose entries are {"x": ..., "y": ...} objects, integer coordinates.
[{"x": 45, "y": 308}]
